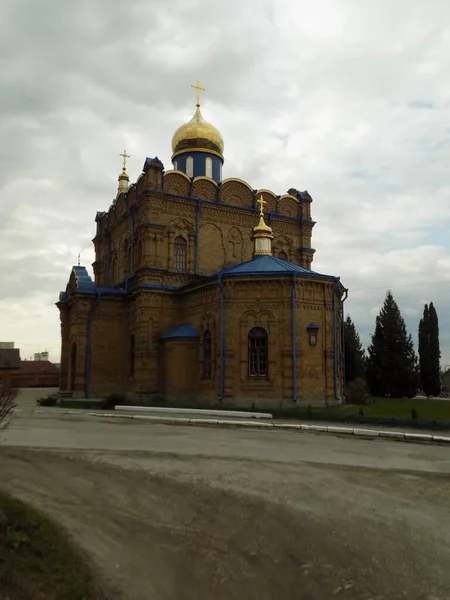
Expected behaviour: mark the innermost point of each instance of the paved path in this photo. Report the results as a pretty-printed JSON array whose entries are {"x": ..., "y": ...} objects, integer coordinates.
[{"x": 175, "y": 512}]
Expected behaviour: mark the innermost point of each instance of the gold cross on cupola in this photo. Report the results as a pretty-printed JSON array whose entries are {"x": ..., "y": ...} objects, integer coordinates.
[
  {"x": 124, "y": 156},
  {"x": 261, "y": 203},
  {"x": 198, "y": 88}
]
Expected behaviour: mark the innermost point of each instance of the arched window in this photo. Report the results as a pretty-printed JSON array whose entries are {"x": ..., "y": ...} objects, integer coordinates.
[
  {"x": 258, "y": 352},
  {"x": 131, "y": 355},
  {"x": 190, "y": 166},
  {"x": 282, "y": 255},
  {"x": 208, "y": 167},
  {"x": 175, "y": 165},
  {"x": 180, "y": 255},
  {"x": 207, "y": 354}
]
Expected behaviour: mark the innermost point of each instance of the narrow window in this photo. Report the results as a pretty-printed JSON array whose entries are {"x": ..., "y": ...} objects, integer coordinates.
[
  {"x": 126, "y": 257},
  {"x": 258, "y": 352},
  {"x": 132, "y": 355},
  {"x": 175, "y": 165},
  {"x": 180, "y": 255},
  {"x": 208, "y": 167},
  {"x": 140, "y": 253},
  {"x": 207, "y": 355},
  {"x": 190, "y": 166},
  {"x": 283, "y": 255}
]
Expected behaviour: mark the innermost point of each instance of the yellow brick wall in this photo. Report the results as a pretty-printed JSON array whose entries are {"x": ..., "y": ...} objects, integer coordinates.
[{"x": 226, "y": 218}]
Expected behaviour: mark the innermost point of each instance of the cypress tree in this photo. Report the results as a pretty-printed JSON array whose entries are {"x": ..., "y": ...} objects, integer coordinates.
[
  {"x": 392, "y": 362},
  {"x": 354, "y": 352},
  {"x": 429, "y": 351}
]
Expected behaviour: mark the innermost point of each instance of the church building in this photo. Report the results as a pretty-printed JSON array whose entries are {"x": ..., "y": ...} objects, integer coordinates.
[{"x": 202, "y": 291}]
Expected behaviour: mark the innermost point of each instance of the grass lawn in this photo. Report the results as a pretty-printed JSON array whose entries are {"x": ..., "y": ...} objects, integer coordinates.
[
  {"x": 427, "y": 410},
  {"x": 36, "y": 560}
]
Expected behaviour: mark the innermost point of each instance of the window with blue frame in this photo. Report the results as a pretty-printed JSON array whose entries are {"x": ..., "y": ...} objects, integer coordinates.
[{"x": 209, "y": 167}]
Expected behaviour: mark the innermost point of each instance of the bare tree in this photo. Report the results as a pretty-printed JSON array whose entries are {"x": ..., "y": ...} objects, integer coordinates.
[{"x": 7, "y": 405}]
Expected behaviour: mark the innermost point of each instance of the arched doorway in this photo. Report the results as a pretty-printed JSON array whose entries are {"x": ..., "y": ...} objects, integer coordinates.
[{"x": 73, "y": 367}]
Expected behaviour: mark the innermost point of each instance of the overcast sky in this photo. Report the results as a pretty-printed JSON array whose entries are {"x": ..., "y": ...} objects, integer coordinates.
[{"x": 348, "y": 99}]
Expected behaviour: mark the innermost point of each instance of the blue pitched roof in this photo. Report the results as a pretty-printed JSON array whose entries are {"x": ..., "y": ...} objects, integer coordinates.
[
  {"x": 181, "y": 331},
  {"x": 269, "y": 265}
]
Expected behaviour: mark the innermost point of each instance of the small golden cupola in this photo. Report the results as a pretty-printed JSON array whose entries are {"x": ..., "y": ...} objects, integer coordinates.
[
  {"x": 197, "y": 146},
  {"x": 262, "y": 235},
  {"x": 124, "y": 180}
]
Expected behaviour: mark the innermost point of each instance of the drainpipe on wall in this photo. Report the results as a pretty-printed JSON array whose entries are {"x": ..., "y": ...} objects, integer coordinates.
[
  {"x": 132, "y": 244},
  {"x": 87, "y": 368},
  {"x": 294, "y": 339},
  {"x": 222, "y": 341},
  {"x": 108, "y": 257},
  {"x": 335, "y": 343},
  {"x": 344, "y": 386},
  {"x": 197, "y": 231}
]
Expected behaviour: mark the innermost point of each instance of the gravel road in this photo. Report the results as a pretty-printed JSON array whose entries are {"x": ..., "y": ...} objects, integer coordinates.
[{"x": 175, "y": 513}]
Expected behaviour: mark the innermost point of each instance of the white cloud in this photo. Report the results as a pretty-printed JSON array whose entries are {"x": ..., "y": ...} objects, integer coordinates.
[{"x": 349, "y": 99}]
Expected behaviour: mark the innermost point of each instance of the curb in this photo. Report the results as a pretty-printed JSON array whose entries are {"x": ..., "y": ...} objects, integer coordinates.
[
  {"x": 194, "y": 411},
  {"x": 358, "y": 432}
]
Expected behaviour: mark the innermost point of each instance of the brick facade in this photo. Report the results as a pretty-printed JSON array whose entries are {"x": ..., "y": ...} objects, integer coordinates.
[{"x": 160, "y": 251}]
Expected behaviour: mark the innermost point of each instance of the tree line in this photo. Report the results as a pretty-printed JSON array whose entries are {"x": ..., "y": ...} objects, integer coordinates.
[{"x": 391, "y": 367}]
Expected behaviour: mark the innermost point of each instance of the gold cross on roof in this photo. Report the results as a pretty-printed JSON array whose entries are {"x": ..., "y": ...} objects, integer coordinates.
[
  {"x": 198, "y": 88},
  {"x": 125, "y": 156},
  {"x": 261, "y": 203}
]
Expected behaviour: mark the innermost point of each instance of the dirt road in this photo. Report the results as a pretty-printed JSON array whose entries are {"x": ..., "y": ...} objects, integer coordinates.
[{"x": 175, "y": 513}]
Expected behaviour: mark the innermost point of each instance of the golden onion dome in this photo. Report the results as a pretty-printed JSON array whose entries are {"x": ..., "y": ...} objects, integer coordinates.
[
  {"x": 262, "y": 227},
  {"x": 197, "y": 134}
]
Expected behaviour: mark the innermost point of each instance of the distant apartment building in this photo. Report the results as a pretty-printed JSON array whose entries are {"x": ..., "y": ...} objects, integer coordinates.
[{"x": 41, "y": 355}]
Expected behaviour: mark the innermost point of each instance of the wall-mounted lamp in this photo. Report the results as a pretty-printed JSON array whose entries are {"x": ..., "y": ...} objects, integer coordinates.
[{"x": 313, "y": 331}]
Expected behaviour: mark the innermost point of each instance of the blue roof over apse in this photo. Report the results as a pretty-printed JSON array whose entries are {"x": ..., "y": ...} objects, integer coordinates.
[
  {"x": 269, "y": 265},
  {"x": 181, "y": 331},
  {"x": 83, "y": 279}
]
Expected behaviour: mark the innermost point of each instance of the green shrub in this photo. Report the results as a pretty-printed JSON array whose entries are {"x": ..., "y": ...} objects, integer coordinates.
[
  {"x": 47, "y": 401},
  {"x": 357, "y": 392},
  {"x": 414, "y": 414}
]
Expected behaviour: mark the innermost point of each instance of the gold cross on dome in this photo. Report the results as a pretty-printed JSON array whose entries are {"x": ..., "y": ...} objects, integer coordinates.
[
  {"x": 261, "y": 203},
  {"x": 198, "y": 88},
  {"x": 125, "y": 156}
]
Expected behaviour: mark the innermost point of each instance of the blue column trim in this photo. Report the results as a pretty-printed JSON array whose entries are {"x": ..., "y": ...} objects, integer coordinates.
[
  {"x": 222, "y": 342},
  {"x": 294, "y": 339},
  {"x": 87, "y": 367}
]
